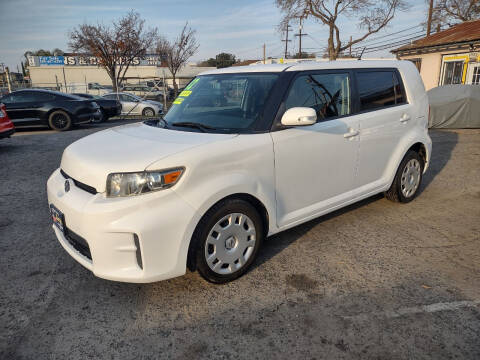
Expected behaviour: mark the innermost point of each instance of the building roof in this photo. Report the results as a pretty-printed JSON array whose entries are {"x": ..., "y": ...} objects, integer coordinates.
[
  {"x": 460, "y": 33},
  {"x": 245, "y": 62}
]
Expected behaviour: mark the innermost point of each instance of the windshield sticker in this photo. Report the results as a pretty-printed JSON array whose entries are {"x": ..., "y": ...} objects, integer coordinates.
[
  {"x": 185, "y": 93},
  {"x": 194, "y": 81},
  {"x": 178, "y": 101}
]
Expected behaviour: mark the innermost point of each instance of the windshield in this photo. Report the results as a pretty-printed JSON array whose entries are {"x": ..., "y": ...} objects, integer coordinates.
[{"x": 225, "y": 101}]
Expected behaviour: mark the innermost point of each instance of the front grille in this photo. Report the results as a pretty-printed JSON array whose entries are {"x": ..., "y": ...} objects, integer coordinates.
[
  {"x": 78, "y": 243},
  {"x": 85, "y": 187}
]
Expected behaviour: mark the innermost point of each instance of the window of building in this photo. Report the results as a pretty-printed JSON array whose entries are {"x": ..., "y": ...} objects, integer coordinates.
[
  {"x": 379, "y": 89},
  {"x": 328, "y": 94},
  {"x": 452, "y": 72},
  {"x": 476, "y": 75}
]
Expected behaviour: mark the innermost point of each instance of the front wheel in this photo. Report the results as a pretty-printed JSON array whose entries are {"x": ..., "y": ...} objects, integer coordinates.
[
  {"x": 228, "y": 238},
  {"x": 60, "y": 121},
  {"x": 407, "y": 179},
  {"x": 148, "y": 112}
]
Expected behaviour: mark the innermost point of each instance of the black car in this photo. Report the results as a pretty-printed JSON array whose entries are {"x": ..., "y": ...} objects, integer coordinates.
[
  {"x": 109, "y": 108},
  {"x": 57, "y": 110}
]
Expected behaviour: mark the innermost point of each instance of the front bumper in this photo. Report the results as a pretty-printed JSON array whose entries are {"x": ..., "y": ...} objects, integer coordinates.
[
  {"x": 137, "y": 239},
  {"x": 7, "y": 133}
]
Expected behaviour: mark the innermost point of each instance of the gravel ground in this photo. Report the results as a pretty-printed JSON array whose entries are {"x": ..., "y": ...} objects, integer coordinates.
[{"x": 374, "y": 280}]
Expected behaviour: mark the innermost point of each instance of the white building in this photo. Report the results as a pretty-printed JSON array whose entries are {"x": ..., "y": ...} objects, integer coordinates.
[{"x": 60, "y": 72}]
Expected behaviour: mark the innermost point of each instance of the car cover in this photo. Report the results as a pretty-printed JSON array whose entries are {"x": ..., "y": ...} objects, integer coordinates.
[{"x": 454, "y": 107}]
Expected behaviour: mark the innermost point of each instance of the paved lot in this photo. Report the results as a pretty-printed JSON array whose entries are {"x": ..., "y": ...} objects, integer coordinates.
[{"x": 375, "y": 280}]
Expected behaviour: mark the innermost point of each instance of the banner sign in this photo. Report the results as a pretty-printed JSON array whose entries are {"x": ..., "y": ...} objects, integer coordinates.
[
  {"x": 51, "y": 60},
  {"x": 148, "y": 60}
]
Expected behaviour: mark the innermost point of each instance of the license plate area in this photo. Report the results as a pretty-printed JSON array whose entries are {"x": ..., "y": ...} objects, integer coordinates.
[{"x": 58, "y": 218}]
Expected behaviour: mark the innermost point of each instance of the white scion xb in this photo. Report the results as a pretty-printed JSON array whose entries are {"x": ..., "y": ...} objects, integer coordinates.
[{"x": 244, "y": 152}]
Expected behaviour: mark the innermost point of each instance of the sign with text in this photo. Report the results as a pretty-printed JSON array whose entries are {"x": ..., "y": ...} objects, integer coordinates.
[{"x": 148, "y": 60}]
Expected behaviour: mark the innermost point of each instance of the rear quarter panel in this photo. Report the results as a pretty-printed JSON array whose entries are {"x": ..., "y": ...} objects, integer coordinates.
[{"x": 417, "y": 130}]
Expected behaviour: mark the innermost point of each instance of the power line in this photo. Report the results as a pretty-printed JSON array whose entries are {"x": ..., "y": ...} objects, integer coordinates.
[
  {"x": 390, "y": 34},
  {"x": 414, "y": 34}
]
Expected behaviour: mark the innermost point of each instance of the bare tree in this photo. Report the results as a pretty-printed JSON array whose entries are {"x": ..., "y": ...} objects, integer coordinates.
[
  {"x": 115, "y": 46},
  {"x": 452, "y": 11},
  {"x": 373, "y": 15},
  {"x": 177, "y": 53}
]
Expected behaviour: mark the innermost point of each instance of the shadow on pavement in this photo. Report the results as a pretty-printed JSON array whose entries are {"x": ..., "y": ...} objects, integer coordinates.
[
  {"x": 444, "y": 141},
  {"x": 443, "y": 144}
]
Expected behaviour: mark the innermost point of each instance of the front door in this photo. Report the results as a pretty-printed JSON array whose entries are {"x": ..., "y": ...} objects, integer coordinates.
[
  {"x": 22, "y": 108},
  {"x": 315, "y": 165}
]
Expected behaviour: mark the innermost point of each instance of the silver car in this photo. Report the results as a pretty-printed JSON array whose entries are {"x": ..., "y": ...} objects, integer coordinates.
[{"x": 134, "y": 105}]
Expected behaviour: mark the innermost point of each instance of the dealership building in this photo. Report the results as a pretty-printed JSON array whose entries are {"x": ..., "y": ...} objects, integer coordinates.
[
  {"x": 67, "y": 71},
  {"x": 451, "y": 56}
]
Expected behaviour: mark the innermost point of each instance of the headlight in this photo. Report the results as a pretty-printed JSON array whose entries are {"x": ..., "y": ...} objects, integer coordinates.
[{"x": 128, "y": 184}]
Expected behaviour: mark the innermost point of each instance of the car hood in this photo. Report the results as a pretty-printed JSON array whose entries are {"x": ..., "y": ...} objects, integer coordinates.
[{"x": 127, "y": 148}]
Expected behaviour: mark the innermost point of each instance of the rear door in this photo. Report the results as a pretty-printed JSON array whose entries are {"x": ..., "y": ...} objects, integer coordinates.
[
  {"x": 129, "y": 104},
  {"x": 384, "y": 116}
]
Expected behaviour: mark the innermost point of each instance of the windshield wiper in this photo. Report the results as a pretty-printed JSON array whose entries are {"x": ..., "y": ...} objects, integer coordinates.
[{"x": 199, "y": 126}]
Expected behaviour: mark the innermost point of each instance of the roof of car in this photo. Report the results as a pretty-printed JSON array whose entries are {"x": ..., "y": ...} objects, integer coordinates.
[
  {"x": 47, "y": 92},
  {"x": 307, "y": 65}
]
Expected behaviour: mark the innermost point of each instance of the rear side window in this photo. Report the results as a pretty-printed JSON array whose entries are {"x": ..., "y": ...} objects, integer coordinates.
[
  {"x": 328, "y": 94},
  {"x": 43, "y": 97},
  {"x": 378, "y": 89}
]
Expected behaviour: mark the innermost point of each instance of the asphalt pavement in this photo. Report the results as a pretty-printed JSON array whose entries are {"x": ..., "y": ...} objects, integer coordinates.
[{"x": 376, "y": 280}]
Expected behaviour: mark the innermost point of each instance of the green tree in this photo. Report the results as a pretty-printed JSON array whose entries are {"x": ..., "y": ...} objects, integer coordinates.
[{"x": 224, "y": 60}]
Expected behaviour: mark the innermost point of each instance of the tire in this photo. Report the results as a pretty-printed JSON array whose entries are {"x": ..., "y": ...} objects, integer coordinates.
[
  {"x": 104, "y": 117},
  {"x": 226, "y": 240},
  {"x": 148, "y": 112},
  {"x": 59, "y": 120},
  {"x": 408, "y": 178}
]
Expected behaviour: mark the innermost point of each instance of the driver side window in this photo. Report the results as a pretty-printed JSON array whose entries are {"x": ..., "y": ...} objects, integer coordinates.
[{"x": 328, "y": 94}]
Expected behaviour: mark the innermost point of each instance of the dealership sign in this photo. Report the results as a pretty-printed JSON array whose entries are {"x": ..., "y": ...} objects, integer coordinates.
[{"x": 148, "y": 60}]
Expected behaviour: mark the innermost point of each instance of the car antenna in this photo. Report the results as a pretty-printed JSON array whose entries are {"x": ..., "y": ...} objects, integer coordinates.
[{"x": 361, "y": 54}]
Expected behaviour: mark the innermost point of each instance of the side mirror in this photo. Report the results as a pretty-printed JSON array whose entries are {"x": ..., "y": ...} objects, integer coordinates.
[{"x": 299, "y": 116}]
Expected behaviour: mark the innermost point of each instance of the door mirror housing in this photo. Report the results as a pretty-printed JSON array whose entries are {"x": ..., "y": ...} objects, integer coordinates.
[{"x": 299, "y": 116}]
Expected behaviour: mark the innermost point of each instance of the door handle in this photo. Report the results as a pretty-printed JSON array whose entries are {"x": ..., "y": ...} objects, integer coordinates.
[
  {"x": 351, "y": 133},
  {"x": 405, "y": 118}
]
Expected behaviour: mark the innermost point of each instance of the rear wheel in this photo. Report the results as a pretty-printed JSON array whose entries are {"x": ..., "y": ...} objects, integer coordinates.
[
  {"x": 407, "y": 179},
  {"x": 60, "y": 121},
  {"x": 148, "y": 112},
  {"x": 228, "y": 238}
]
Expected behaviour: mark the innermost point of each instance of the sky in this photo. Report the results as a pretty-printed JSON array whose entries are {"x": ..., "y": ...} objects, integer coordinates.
[{"x": 232, "y": 26}]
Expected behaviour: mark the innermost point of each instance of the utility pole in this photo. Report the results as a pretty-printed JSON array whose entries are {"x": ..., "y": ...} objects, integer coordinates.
[
  {"x": 286, "y": 40},
  {"x": 430, "y": 15},
  {"x": 9, "y": 84},
  {"x": 300, "y": 37},
  {"x": 264, "y": 53},
  {"x": 350, "y": 46}
]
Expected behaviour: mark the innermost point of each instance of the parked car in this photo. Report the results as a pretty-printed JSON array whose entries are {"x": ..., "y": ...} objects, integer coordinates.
[
  {"x": 6, "y": 126},
  {"x": 57, "y": 110},
  {"x": 243, "y": 153},
  {"x": 109, "y": 108},
  {"x": 92, "y": 88},
  {"x": 144, "y": 92},
  {"x": 133, "y": 105}
]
